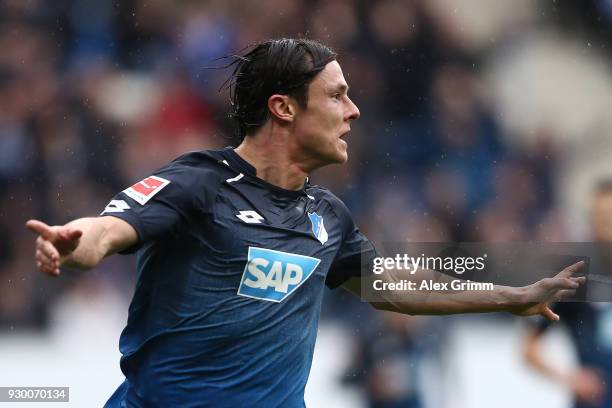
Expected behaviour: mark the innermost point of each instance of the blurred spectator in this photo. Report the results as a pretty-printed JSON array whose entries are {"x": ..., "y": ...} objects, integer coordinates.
[
  {"x": 386, "y": 360},
  {"x": 588, "y": 323}
]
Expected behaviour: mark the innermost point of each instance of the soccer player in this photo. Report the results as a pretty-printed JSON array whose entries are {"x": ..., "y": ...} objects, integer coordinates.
[
  {"x": 235, "y": 247},
  {"x": 588, "y": 323}
]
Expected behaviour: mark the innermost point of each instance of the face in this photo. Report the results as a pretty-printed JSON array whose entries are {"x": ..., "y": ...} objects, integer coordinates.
[{"x": 320, "y": 128}]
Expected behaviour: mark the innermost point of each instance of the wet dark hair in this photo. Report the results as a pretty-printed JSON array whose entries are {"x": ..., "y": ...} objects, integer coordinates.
[{"x": 284, "y": 66}]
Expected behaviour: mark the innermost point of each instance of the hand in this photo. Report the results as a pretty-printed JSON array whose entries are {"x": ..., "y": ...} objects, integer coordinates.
[
  {"x": 53, "y": 245},
  {"x": 587, "y": 385},
  {"x": 537, "y": 297}
]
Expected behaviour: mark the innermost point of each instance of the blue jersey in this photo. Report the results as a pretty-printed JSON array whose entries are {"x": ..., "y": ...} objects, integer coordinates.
[{"x": 231, "y": 275}]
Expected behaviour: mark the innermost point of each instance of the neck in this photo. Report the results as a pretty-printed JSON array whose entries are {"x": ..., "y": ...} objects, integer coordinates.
[{"x": 270, "y": 153}]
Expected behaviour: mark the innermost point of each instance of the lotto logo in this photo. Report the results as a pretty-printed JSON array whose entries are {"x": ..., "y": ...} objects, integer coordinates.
[
  {"x": 274, "y": 275},
  {"x": 116, "y": 206},
  {"x": 250, "y": 217},
  {"x": 144, "y": 190}
]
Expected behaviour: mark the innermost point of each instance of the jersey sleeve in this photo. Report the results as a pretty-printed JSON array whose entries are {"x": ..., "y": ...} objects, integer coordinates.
[
  {"x": 164, "y": 202},
  {"x": 356, "y": 255}
]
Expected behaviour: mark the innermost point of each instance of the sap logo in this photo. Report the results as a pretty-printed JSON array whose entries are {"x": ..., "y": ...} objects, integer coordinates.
[{"x": 274, "y": 275}]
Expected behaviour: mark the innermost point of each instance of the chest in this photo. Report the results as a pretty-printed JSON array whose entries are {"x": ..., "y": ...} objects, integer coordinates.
[{"x": 270, "y": 245}]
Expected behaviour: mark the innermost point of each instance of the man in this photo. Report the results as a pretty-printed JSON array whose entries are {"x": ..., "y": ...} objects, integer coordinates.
[
  {"x": 235, "y": 247},
  {"x": 589, "y": 324}
]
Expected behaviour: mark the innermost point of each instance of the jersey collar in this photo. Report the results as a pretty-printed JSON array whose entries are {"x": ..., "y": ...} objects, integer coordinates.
[{"x": 247, "y": 169}]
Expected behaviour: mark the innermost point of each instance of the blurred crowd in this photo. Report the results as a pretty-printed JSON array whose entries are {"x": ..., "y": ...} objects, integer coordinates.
[{"x": 95, "y": 95}]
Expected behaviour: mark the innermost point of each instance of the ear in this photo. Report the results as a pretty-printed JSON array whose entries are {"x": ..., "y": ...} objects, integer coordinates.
[{"x": 281, "y": 106}]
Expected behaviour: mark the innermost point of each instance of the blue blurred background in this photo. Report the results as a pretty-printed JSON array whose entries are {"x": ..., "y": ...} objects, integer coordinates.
[{"x": 480, "y": 121}]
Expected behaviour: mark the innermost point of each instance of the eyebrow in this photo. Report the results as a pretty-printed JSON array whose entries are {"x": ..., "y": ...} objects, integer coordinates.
[{"x": 341, "y": 88}]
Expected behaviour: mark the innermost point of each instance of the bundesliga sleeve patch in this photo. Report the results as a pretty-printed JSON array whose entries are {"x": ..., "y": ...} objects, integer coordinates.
[{"x": 145, "y": 189}]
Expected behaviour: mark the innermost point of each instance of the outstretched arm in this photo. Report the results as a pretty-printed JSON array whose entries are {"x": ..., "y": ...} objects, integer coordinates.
[
  {"x": 81, "y": 243},
  {"x": 534, "y": 299}
]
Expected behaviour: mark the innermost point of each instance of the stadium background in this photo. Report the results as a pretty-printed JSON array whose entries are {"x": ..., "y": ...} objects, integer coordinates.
[{"x": 481, "y": 120}]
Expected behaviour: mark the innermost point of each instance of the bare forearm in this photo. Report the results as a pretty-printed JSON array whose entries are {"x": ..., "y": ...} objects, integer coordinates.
[
  {"x": 501, "y": 298},
  {"x": 443, "y": 299},
  {"x": 91, "y": 249},
  {"x": 102, "y": 236}
]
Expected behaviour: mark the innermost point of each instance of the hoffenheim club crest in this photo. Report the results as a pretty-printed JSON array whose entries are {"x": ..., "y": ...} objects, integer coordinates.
[{"x": 318, "y": 229}]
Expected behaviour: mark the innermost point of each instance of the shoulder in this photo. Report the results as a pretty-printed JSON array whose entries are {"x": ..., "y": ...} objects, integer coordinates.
[
  {"x": 192, "y": 179},
  {"x": 208, "y": 162},
  {"x": 197, "y": 169}
]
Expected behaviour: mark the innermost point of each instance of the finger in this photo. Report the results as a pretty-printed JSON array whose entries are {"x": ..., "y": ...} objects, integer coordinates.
[
  {"x": 570, "y": 270},
  {"x": 45, "y": 268},
  {"x": 73, "y": 235},
  {"x": 51, "y": 270},
  {"x": 561, "y": 283},
  {"x": 581, "y": 280},
  {"x": 550, "y": 315},
  {"x": 45, "y": 260},
  {"x": 40, "y": 228},
  {"x": 42, "y": 257},
  {"x": 50, "y": 266},
  {"x": 49, "y": 250},
  {"x": 564, "y": 295}
]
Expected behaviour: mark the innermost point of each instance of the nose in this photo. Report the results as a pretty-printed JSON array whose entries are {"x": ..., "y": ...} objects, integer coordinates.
[{"x": 353, "y": 111}]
